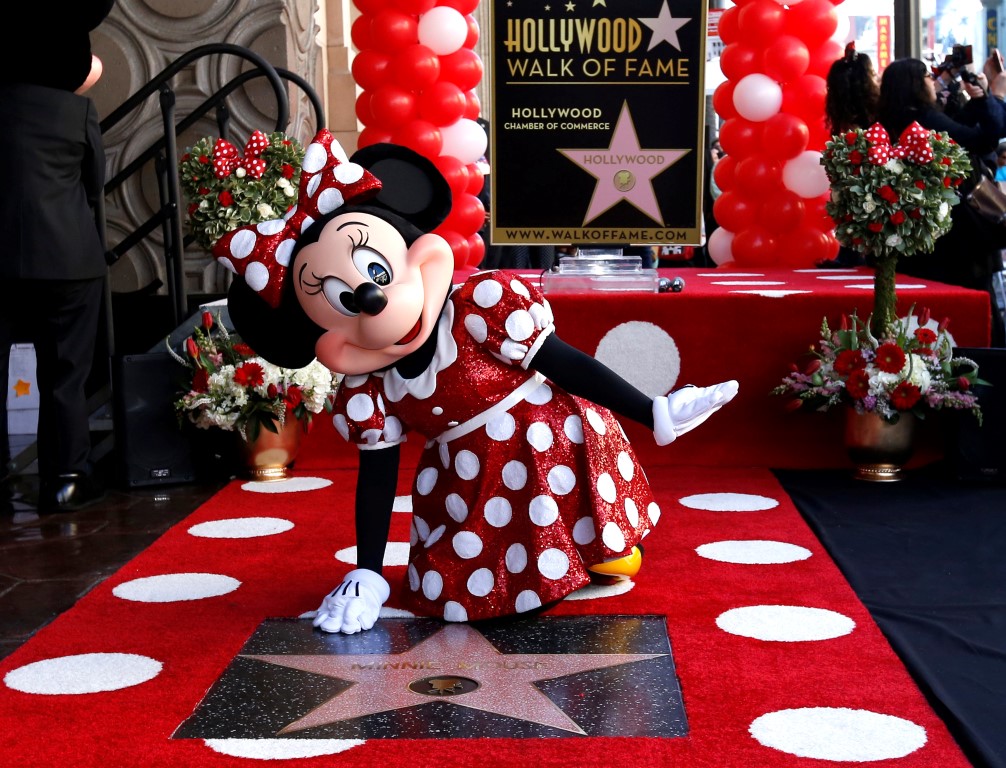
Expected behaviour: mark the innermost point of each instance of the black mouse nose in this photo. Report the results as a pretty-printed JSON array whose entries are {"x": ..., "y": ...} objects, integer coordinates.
[{"x": 370, "y": 299}]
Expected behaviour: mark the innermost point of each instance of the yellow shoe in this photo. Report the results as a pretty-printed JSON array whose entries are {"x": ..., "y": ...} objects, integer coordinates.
[{"x": 621, "y": 567}]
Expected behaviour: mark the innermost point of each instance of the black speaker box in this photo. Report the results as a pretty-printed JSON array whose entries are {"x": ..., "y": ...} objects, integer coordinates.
[
  {"x": 151, "y": 447},
  {"x": 979, "y": 452}
]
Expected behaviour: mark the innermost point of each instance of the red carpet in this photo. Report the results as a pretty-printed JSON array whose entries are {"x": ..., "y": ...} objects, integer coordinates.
[{"x": 779, "y": 663}]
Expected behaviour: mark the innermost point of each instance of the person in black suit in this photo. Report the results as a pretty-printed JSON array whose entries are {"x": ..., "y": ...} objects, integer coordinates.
[{"x": 52, "y": 252}]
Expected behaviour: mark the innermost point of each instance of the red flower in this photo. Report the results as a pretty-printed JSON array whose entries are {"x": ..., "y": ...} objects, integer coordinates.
[
  {"x": 858, "y": 384},
  {"x": 915, "y": 213},
  {"x": 193, "y": 208},
  {"x": 947, "y": 182},
  {"x": 905, "y": 395},
  {"x": 963, "y": 384},
  {"x": 294, "y": 396},
  {"x": 920, "y": 184},
  {"x": 207, "y": 320},
  {"x": 850, "y": 137},
  {"x": 924, "y": 316},
  {"x": 875, "y": 226},
  {"x": 855, "y": 157},
  {"x": 898, "y": 217},
  {"x": 186, "y": 157},
  {"x": 890, "y": 357},
  {"x": 793, "y": 405},
  {"x": 204, "y": 159},
  {"x": 888, "y": 194},
  {"x": 946, "y": 161},
  {"x": 813, "y": 367},
  {"x": 271, "y": 391},
  {"x": 244, "y": 350},
  {"x": 192, "y": 348},
  {"x": 204, "y": 190},
  {"x": 226, "y": 198},
  {"x": 849, "y": 360},
  {"x": 925, "y": 336},
  {"x": 249, "y": 375},
  {"x": 287, "y": 171},
  {"x": 200, "y": 380}
]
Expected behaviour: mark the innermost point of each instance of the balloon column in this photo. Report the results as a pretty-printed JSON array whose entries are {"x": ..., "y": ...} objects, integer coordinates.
[
  {"x": 417, "y": 69},
  {"x": 776, "y": 56}
]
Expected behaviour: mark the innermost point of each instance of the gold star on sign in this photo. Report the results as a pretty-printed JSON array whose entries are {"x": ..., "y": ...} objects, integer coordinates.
[
  {"x": 22, "y": 388},
  {"x": 570, "y": 7}
]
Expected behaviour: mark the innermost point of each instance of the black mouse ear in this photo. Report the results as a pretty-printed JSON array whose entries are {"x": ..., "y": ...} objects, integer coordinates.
[
  {"x": 284, "y": 336},
  {"x": 411, "y": 185}
]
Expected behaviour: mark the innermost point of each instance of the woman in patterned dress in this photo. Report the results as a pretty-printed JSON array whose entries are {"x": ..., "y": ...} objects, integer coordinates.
[{"x": 527, "y": 479}]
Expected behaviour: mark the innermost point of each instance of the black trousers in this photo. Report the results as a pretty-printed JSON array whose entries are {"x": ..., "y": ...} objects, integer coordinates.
[{"x": 60, "y": 317}]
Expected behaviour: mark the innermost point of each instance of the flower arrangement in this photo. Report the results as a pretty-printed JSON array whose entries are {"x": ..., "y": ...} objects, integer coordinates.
[
  {"x": 891, "y": 201},
  {"x": 911, "y": 370},
  {"x": 233, "y": 389},
  {"x": 227, "y": 189}
]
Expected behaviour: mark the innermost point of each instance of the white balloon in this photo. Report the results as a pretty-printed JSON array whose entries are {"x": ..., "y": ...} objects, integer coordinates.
[
  {"x": 805, "y": 176},
  {"x": 465, "y": 140},
  {"x": 757, "y": 97},
  {"x": 443, "y": 30},
  {"x": 720, "y": 246}
]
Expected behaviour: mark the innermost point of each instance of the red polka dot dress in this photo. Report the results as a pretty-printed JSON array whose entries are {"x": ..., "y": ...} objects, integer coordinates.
[{"x": 521, "y": 485}]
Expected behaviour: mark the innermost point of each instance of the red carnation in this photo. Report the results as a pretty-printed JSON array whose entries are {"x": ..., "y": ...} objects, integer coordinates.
[
  {"x": 204, "y": 159},
  {"x": 926, "y": 336},
  {"x": 226, "y": 198},
  {"x": 186, "y": 157},
  {"x": 915, "y": 213},
  {"x": 875, "y": 226},
  {"x": 920, "y": 184},
  {"x": 849, "y": 360},
  {"x": 890, "y": 357},
  {"x": 200, "y": 380},
  {"x": 858, "y": 384},
  {"x": 898, "y": 217},
  {"x": 193, "y": 208},
  {"x": 946, "y": 161},
  {"x": 287, "y": 171},
  {"x": 947, "y": 182},
  {"x": 855, "y": 157},
  {"x": 888, "y": 194},
  {"x": 294, "y": 396},
  {"x": 204, "y": 190},
  {"x": 249, "y": 375},
  {"x": 850, "y": 137},
  {"x": 905, "y": 395}
]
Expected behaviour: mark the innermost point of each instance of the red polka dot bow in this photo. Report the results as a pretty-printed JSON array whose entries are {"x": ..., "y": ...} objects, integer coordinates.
[
  {"x": 913, "y": 145},
  {"x": 261, "y": 252},
  {"x": 226, "y": 159}
]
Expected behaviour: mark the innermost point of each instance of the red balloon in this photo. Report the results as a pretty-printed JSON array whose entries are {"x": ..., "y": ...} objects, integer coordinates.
[
  {"x": 820, "y": 133},
  {"x": 817, "y": 214},
  {"x": 754, "y": 247},
  {"x": 760, "y": 22},
  {"x": 371, "y": 69},
  {"x": 392, "y": 106},
  {"x": 464, "y": 7},
  {"x": 734, "y": 212},
  {"x": 804, "y": 96},
  {"x": 723, "y": 173},
  {"x": 740, "y": 137},
  {"x": 476, "y": 250},
  {"x": 359, "y": 33},
  {"x": 782, "y": 211},
  {"x": 475, "y": 179},
  {"x": 463, "y": 68},
  {"x": 786, "y": 58},
  {"x": 729, "y": 32},
  {"x": 371, "y": 6},
  {"x": 454, "y": 171},
  {"x": 363, "y": 111},
  {"x": 739, "y": 60},
  {"x": 419, "y": 135},
  {"x": 458, "y": 244},
  {"x": 784, "y": 136},
  {"x": 414, "y": 7},
  {"x": 467, "y": 215},
  {"x": 392, "y": 30},
  {"x": 813, "y": 21},
  {"x": 473, "y": 106},
  {"x": 372, "y": 135},
  {"x": 804, "y": 247},
  {"x": 757, "y": 175},
  {"x": 473, "y": 32},
  {"x": 723, "y": 100},
  {"x": 823, "y": 56},
  {"x": 415, "y": 67},
  {"x": 442, "y": 103}
]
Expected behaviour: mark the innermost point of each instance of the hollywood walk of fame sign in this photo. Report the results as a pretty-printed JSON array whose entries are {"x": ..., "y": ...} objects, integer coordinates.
[
  {"x": 598, "y": 114},
  {"x": 418, "y": 678}
]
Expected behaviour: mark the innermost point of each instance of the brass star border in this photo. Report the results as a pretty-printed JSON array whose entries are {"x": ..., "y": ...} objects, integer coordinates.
[{"x": 559, "y": 677}]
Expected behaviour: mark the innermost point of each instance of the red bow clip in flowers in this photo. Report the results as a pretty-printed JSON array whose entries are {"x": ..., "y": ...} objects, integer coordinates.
[
  {"x": 913, "y": 145},
  {"x": 226, "y": 159}
]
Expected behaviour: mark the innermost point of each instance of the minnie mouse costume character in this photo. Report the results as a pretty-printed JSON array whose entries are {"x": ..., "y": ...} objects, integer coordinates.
[{"x": 527, "y": 478}]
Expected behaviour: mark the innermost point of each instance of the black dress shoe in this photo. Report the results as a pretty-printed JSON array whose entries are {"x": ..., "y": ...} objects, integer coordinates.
[{"x": 70, "y": 492}]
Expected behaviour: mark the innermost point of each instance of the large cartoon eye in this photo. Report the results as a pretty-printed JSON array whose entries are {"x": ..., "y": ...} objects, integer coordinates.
[
  {"x": 340, "y": 296},
  {"x": 372, "y": 265}
]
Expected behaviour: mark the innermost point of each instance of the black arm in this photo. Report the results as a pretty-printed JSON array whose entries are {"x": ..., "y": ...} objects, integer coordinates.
[{"x": 375, "y": 497}]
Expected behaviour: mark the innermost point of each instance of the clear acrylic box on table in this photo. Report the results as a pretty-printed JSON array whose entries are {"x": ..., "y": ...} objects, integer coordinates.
[{"x": 600, "y": 270}]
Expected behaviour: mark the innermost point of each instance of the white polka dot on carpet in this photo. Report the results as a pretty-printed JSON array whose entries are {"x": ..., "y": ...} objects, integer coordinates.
[
  {"x": 841, "y": 734},
  {"x": 281, "y": 749},
  {"x": 290, "y": 485},
  {"x": 600, "y": 591},
  {"x": 176, "y": 587},
  {"x": 241, "y": 528},
  {"x": 785, "y": 623},
  {"x": 728, "y": 502},
  {"x": 83, "y": 673},
  {"x": 396, "y": 553},
  {"x": 754, "y": 552}
]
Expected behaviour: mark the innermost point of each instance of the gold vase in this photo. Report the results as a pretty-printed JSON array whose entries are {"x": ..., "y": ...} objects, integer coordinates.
[
  {"x": 269, "y": 456},
  {"x": 877, "y": 448}
]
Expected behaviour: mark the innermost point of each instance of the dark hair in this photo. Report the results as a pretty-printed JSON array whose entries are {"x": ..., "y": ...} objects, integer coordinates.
[
  {"x": 904, "y": 94},
  {"x": 851, "y": 100}
]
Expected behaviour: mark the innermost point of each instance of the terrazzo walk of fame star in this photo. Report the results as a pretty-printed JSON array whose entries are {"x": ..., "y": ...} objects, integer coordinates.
[{"x": 543, "y": 677}]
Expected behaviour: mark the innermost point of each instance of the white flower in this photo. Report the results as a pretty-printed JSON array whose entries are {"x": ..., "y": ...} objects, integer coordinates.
[
  {"x": 893, "y": 240},
  {"x": 265, "y": 211},
  {"x": 869, "y": 206},
  {"x": 894, "y": 165},
  {"x": 916, "y": 372},
  {"x": 941, "y": 214},
  {"x": 240, "y": 172}
]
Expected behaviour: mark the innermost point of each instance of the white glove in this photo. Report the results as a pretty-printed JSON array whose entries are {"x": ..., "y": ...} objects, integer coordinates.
[
  {"x": 353, "y": 605},
  {"x": 686, "y": 408}
]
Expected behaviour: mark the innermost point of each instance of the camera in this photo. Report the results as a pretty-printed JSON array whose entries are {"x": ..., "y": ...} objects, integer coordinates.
[{"x": 958, "y": 59}]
